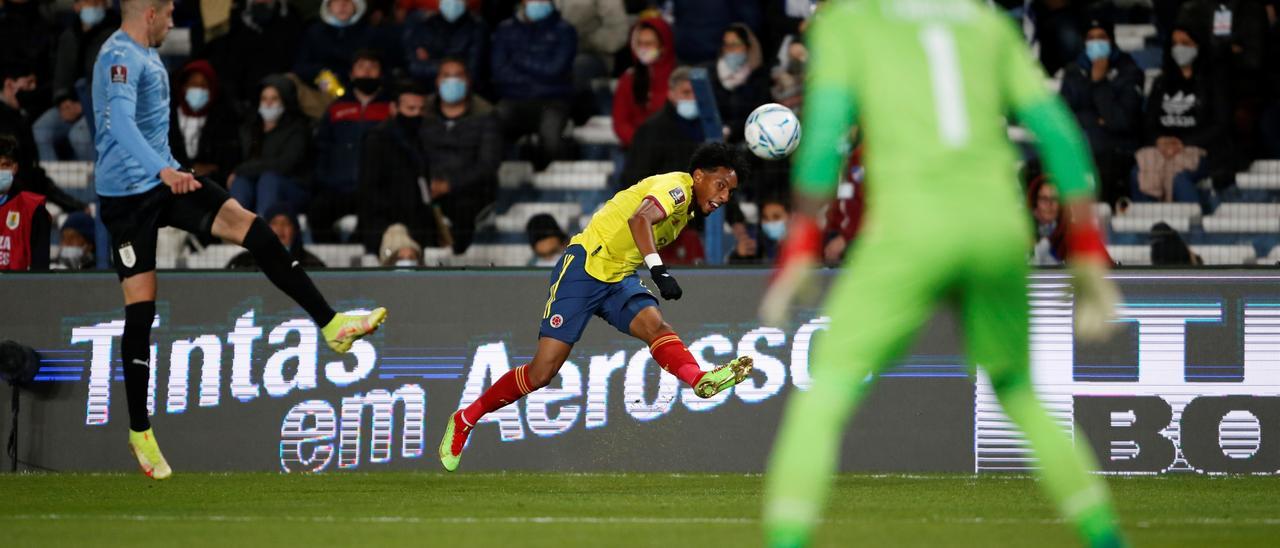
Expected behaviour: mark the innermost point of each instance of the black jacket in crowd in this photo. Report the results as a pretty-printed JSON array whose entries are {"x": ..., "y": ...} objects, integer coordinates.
[
  {"x": 465, "y": 151},
  {"x": 253, "y": 50},
  {"x": 1109, "y": 111},
  {"x": 286, "y": 149},
  {"x": 392, "y": 166}
]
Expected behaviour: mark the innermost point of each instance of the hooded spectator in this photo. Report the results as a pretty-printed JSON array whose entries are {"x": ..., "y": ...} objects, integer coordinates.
[
  {"x": 739, "y": 78},
  {"x": 332, "y": 42},
  {"x": 338, "y": 145},
  {"x": 75, "y": 245},
  {"x": 398, "y": 248},
  {"x": 700, "y": 26},
  {"x": 203, "y": 132},
  {"x": 284, "y": 223},
  {"x": 1187, "y": 123},
  {"x": 1169, "y": 249},
  {"x": 275, "y": 143},
  {"x": 532, "y": 64},
  {"x": 452, "y": 32},
  {"x": 642, "y": 89},
  {"x": 1103, "y": 87},
  {"x": 263, "y": 40},
  {"x": 17, "y": 87},
  {"x": 463, "y": 142},
  {"x": 547, "y": 239},
  {"x": 392, "y": 163}
]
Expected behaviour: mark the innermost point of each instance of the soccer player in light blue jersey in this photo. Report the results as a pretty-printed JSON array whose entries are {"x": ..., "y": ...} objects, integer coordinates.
[{"x": 141, "y": 188}]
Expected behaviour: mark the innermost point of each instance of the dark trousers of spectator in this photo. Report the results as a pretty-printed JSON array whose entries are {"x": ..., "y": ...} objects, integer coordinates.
[
  {"x": 327, "y": 207},
  {"x": 1269, "y": 127},
  {"x": 462, "y": 208},
  {"x": 587, "y": 67},
  {"x": 543, "y": 117},
  {"x": 261, "y": 193},
  {"x": 1114, "y": 167}
]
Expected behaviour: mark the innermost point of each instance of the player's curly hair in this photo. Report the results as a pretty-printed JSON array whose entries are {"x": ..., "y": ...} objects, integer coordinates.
[{"x": 713, "y": 155}]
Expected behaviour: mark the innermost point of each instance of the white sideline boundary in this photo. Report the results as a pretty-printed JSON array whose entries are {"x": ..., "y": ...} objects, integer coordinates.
[{"x": 569, "y": 520}]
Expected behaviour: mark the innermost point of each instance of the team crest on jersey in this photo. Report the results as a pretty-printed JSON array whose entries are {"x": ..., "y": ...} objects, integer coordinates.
[
  {"x": 677, "y": 194},
  {"x": 119, "y": 74},
  {"x": 557, "y": 321},
  {"x": 127, "y": 256},
  {"x": 13, "y": 220}
]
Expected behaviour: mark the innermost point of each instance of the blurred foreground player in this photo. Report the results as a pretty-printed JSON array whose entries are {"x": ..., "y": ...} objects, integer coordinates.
[
  {"x": 930, "y": 83},
  {"x": 140, "y": 190},
  {"x": 597, "y": 276}
]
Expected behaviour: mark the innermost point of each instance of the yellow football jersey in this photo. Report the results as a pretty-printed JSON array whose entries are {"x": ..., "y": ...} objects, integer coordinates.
[{"x": 611, "y": 250}]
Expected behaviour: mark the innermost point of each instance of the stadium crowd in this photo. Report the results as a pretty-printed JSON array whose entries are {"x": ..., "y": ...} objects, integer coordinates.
[{"x": 402, "y": 113}]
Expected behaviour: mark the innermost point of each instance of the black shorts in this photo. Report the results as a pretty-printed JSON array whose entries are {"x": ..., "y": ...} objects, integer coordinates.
[{"x": 134, "y": 221}]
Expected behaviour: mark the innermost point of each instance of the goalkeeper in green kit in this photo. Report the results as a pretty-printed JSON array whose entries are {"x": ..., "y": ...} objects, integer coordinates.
[{"x": 930, "y": 84}]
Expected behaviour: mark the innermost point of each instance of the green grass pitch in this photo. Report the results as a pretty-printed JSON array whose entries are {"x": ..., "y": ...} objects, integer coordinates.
[{"x": 664, "y": 510}]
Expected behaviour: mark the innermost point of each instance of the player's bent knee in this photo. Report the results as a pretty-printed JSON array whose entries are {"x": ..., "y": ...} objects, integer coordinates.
[{"x": 540, "y": 377}]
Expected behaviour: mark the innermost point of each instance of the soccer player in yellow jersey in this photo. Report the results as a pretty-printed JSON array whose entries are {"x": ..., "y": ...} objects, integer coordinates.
[{"x": 597, "y": 276}]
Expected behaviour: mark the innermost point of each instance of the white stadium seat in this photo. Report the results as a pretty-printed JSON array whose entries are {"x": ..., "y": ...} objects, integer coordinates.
[
  {"x": 515, "y": 219},
  {"x": 1226, "y": 254},
  {"x": 1130, "y": 255}
]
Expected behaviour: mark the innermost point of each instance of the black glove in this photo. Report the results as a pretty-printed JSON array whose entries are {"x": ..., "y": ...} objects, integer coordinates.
[{"x": 666, "y": 284}]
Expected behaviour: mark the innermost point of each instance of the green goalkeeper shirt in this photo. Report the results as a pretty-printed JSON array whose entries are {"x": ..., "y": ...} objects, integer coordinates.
[{"x": 931, "y": 84}]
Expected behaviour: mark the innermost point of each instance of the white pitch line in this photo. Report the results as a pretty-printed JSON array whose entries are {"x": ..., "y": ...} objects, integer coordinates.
[{"x": 563, "y": 520}]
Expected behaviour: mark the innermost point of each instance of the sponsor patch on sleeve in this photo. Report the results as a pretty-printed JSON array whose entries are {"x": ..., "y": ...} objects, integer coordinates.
[
  {"x": 677, "y": 194},
  {"x": 119, "y": 74}
]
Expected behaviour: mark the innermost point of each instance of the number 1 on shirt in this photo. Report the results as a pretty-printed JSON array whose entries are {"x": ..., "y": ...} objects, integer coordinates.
[{"x": 948, "y": 93}]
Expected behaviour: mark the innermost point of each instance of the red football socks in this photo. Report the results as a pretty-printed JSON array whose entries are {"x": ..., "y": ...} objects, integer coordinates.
[
  {"x": 674, "y": 358},
  {"x": 509, "y": 388}
]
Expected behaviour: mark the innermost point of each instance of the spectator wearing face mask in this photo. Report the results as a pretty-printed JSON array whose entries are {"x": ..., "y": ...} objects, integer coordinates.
[
  {"x": 463, "y": 143},
  {"x": 700, "y": 24},
  {"x": 1187, "y": 122},
  {"x": 398, "y": 248},
  {"x": 276, "y": 144},
  {"x": 16, "y": 94},
  {"x": 284, "y": 224},
  {"x": 423, "y": 7},
  {"x": 24, "y": 221},
  {"x": 453, "y": 31},
  {"x": 338, "y": 146},
  {"x": 17, "y": 84},
  {"x": 394, "y": 174},
  {"x": 739, "y": 79},
  {"x": 666, "y": 141},
  {"x": 642, "y": 89},
  {"x": 1103, "y": 87},
  {"x": 75, "y": 242},
  {"x": 63, "y": 132},
  {"x": 263, "y": 40},
  {"x": 203, "y": 131},
  {"x": 547, "y": 240},
  {"x": 331, "y": 43},
  {"x": 531, "y": 65},
  {"x": 775, "y": 213}
]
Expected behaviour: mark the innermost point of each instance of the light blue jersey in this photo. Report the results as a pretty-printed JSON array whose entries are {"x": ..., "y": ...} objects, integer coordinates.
[{"x": 131, "y": 112}]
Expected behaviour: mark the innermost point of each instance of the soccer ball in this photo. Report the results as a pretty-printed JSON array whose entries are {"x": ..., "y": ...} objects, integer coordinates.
[{"x": 772, "y": 131}]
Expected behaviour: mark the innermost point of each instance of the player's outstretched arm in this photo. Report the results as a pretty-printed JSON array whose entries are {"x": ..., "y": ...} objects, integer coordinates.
[
  {"x": 641, "y": 225},
  {"x": 125, "y": 131},
  {"x": 1061, "y": 144}
]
